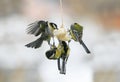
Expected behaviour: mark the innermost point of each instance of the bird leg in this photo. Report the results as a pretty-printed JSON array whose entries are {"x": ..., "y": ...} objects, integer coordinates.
[
  {"x": 50, "y": 44},
  {"x": 53, "y": 41},
  {"x": 69, "y": 42}
]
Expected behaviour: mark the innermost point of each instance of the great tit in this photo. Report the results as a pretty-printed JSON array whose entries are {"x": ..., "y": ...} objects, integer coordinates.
[
  {"x": 64, "y": 56},
  {"x": 76, "y": 32},
  {"x": 43, "y": 28},
  {"x": 59, "y": 53}
]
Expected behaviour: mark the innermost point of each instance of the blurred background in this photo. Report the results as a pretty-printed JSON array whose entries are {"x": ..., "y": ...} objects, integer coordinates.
[{"x": 101, "y": 21}]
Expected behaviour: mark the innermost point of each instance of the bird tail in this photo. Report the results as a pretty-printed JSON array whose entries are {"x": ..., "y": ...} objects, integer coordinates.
[
  {"x": 85, "y": 47},
  {"x": 58, "y": 62},
  {"x": 63, "y": 69},
  {"x": 35, "y": 44}
]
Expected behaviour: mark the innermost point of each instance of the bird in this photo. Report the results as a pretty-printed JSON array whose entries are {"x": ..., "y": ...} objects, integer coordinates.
[
  {"x": 76, "y": 32},
  {"x": 64, "y": 56},
  {"x": 41, "y": 28},
  {"x": 61, "y": 52}
]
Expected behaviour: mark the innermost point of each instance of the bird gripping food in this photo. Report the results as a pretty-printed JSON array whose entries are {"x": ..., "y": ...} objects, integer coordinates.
[
  {"x": 42, "y": 28},
  {"x": 47, "y": 30},
  {"x": 76, "y": 32}
]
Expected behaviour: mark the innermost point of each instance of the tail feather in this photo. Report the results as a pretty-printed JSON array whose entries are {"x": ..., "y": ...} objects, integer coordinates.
[
  {"x": 58, "y": 62},
  {"x": 85, "y": 47},
  {"x": 63, "y": 70},
  {"x": 35, "y": 44}
]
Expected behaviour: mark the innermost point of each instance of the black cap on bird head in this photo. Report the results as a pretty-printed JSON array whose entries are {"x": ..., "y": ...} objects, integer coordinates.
[
  {"x": 75, "y": 23},
  {"x": 72, "y": 26},
  {"x": 50, "y": 53},
  {"x": 53, "y": 25}
]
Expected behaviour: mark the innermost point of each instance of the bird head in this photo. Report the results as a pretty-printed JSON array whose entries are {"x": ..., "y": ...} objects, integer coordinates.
[
  {"x": 77, "y": 27},
  {"x": 50, "y": 53},
  {"x": 51, "y": 25}
]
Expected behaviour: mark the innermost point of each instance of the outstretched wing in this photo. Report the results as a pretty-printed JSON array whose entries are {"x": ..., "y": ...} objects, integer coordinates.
[
  {"x": 36, "y": 27},
  {"x": 35, "y": 44}
]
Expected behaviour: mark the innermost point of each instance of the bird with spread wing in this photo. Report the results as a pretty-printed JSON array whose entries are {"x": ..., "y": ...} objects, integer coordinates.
[
  {"x": 42, "y": 28},
  {"x": 47, "y": 30}
]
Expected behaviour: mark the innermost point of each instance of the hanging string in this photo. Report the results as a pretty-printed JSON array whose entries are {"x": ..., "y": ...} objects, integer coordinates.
[{"x": 61, "y": 8}]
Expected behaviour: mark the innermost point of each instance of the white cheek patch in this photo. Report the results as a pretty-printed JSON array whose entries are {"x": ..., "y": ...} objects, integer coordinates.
[{"x": 52, "y": 56}]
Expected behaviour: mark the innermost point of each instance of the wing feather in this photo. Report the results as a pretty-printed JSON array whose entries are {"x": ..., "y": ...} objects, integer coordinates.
[{"x": 36, "y": 28}]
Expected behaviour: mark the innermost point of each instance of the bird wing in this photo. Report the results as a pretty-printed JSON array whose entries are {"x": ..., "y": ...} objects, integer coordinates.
[
  {"x": 36, "y": 28},
  {"x": 77, "y": 35},
  {"x": 35, "y": 44}
]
